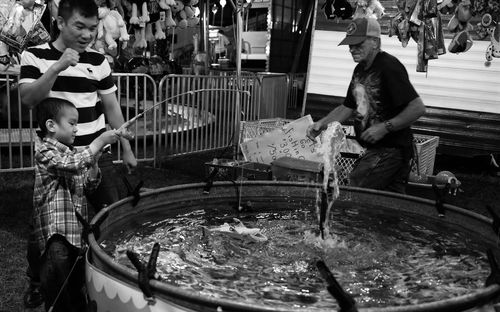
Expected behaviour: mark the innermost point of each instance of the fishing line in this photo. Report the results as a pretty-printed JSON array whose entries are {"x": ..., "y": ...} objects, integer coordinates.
[
  {"x": 128, "y": 123},
  {"x": 65, "y": 281}
]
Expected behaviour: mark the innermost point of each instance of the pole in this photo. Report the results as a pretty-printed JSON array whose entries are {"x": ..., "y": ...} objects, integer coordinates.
[
  {"x": 239, "y": 32},
  {"x": 221, "y": 16}
]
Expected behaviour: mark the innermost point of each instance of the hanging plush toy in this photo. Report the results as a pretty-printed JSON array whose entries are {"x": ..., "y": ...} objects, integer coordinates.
[
  {"x": 493, "y": 49},
  {"x": 135, "y": 19},
  {"x": 165, "y": 4},
  {"x": 111, "y": 27},
  {"x": 20, "y": 24},
  {"x": 4, "y": 56},
  {"x": 459, "y": 24},
  {"x": 169, "y": 20},
  {"x": 192, "y": 19},
  {"x": 178, "y": 12},
  {"x": 154, "y": 10},
  {"x": 368, "y": 8},
  {"x": 139, "y": 23}
]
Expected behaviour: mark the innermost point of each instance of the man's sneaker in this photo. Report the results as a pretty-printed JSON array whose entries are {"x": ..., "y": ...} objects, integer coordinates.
[{"x": 33, "y": 297}]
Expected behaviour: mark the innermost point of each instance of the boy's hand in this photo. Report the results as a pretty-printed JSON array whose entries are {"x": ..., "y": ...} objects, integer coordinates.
[
  {"x": 124, "y": 131},
  {"x": 109, "y": 137}
]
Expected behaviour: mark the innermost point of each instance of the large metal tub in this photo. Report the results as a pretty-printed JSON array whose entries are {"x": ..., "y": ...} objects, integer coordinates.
[{"x": 113, "y": 287}]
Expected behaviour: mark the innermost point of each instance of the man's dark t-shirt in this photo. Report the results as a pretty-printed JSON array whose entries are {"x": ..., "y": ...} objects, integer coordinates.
[{"x": 378, "y": 94}]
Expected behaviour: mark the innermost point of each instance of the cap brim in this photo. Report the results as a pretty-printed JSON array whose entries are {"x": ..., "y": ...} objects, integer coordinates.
[{"x": 352, "y": 40}]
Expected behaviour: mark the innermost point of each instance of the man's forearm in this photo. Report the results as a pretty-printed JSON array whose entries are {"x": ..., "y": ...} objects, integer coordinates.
[
  {"x": 115, "y": 119},
  {"x": 340, "y": 114},
  {"x": 33, "y": 93},
  {"x": 409, "y": 115}
]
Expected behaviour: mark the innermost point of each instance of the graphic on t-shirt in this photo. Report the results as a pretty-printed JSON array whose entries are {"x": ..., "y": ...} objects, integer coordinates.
[{"x": 366, "y": 93}]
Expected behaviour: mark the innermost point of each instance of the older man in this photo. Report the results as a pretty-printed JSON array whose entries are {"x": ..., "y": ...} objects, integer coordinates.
[{"x": 384, "y": 105}]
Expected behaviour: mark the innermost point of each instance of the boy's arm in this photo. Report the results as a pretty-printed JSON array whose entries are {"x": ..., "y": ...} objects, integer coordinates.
[{"x": 64, "y": 164}]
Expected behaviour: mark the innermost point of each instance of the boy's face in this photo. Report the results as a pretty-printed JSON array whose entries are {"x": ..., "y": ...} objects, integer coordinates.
[
  {"x": 78, "y": 31},
  {"x": 65, "y": 127}
]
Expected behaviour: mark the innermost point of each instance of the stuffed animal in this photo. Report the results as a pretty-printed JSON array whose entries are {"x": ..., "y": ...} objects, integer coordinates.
[
  {"x": 154, "y": 10},
  {"x": 165, "y": 4},
  {"x": 135, "y": 19},
  {"x": 4, "y": 56},
  {"x": 12, "y": 26},
  {"x": 111, "y": 27},
  {"x": 461, "y": 17},
  {"x": 169, "y": 20},
  {"x": 117, "y": 5},
  {"x": 140, "y": 37},
  {"x": 493, "y": 49},
  {"x": 178, "y": 12},
  {"x": 368, "y": 8},
  {"x": 459, "y": 24},
  {"x": 192, "y": 19},
  {"x": 17, "y": 23}
]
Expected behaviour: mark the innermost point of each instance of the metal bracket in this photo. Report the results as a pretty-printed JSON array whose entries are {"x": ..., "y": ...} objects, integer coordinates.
[
  {"x": 496, "y": 219},
  {"x": 494, "y": 277},
  {"x": 440, "y": 195},
  {"x": 345, "y": 300},
  {"x": 88, "y": 228},
  {"x": 135, "y": 192},
  {"x": 146, "y": 272}
]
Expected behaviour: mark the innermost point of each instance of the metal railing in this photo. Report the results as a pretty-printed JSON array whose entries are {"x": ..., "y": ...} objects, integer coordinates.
[
  {"x": 16, "y": 127},
  {"x": 199, "y": 113},
  {"x": 188, "y": 113},
  {"x": 135, "y": 93}
]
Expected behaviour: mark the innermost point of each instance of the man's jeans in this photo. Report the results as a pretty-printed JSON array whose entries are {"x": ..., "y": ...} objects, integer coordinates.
[{"x": 384, "y": 168}]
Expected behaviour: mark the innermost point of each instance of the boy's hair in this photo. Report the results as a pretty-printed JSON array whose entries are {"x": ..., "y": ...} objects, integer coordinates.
[
  {"x": 86, "y": 8},
  {"x": 50, "y": 108}
]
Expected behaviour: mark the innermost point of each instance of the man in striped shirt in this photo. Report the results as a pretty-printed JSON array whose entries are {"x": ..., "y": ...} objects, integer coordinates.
[{"x": 68, "y": 69}]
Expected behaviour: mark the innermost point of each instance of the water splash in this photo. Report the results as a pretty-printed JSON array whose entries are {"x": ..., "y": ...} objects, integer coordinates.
[{"x": 332, "y": 140}]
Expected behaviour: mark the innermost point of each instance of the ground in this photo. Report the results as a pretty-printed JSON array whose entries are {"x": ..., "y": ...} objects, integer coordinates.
[{"x": 480, "y": 187}]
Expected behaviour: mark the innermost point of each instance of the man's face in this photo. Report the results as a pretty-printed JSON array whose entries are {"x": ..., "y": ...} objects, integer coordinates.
[
  {"x": 66, "y": 126},
  {"x": 77, "y": 32},
  {"x": 361, "y": 52}
]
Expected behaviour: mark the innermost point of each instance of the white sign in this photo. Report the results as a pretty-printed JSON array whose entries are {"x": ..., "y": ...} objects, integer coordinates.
[{"x": 290, "y": 140}]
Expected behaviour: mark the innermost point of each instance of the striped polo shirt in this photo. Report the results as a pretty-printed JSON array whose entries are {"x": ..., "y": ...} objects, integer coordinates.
[{"x": 80, "y": 84}]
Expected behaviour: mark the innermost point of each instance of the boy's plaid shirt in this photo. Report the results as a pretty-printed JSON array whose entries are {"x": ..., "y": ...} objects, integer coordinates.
[{"x": 61, "y": 181}]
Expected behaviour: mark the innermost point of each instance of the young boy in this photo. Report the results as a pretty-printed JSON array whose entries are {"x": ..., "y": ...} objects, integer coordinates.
[{"x": 63, "y": 176}]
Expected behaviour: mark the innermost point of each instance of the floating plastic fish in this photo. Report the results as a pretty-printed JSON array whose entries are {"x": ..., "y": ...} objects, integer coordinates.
[{"x": 240, "y": 229}]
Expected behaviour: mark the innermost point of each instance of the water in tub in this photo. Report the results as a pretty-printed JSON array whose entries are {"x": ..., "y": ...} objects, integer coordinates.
[{"x": 381, "y": 257}]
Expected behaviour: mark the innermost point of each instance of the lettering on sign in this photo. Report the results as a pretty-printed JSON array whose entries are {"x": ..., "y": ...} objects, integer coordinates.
[{"x": 290, "y": 140}]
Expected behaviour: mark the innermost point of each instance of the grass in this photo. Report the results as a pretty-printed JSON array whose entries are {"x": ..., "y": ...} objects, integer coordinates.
[{"x": 16, "y": 191}]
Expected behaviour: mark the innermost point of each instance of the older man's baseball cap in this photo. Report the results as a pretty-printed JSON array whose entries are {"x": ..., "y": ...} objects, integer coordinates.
[{"x": 359, "y": 29}]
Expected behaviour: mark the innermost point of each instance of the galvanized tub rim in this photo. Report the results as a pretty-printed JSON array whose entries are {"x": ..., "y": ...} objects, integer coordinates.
[{"x": 470, "y": 300}]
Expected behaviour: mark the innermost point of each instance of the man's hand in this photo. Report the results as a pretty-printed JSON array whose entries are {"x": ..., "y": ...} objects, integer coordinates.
[
  {"x": 129, "y": 160},
  {"x": 375, "y": 133},
  {"x": 69, "y": 58},
  {"x": 314, "y": 130}
]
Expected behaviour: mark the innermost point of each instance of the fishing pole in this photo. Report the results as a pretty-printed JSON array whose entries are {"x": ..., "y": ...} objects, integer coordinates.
[{"x": 122, "y": 131}]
